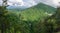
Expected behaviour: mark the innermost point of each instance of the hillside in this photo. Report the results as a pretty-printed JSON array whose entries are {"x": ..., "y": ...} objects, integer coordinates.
[{"x": 37, "y": 12}]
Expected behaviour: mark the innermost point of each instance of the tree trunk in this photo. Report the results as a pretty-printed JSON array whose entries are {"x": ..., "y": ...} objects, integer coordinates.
[{"x": 3, "y": 28}]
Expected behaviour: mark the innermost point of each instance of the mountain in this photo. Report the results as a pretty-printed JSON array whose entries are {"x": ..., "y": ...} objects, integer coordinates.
[
  {"x": 16, "y": 8},
  {"x": 44, "y": 7},
  {"x": 38, "y": 6},
  {"x": 38, "y": 11}
]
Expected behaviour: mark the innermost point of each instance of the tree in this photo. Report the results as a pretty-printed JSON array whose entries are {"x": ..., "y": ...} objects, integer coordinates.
[
  {"x": 52, "y": 23},
  {"x": 2, "y": 16}
]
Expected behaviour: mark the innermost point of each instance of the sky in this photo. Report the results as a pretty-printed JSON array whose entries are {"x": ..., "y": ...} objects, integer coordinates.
[
  {"x": 29, "y": 3},
  {"x": 54, "y": 3}
]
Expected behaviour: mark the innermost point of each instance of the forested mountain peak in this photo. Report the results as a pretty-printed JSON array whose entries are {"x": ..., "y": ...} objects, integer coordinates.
[
  {"x": 44, "y": 7},
  {"x": 38, "y": 11}
]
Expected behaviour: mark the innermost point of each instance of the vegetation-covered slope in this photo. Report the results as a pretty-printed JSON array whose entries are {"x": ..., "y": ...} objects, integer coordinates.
[
  {"x": 30, "y": 20},
  {"x": 37, "y": 12}
]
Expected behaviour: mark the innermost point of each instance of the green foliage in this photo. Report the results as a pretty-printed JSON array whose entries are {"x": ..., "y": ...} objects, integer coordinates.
[
  {"x": 37, "y": 12},
  {"x": 31, "y": 20}
]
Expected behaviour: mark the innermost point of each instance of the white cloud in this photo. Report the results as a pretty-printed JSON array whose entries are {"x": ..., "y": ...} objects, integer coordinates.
[
  {"x": 15, "y": 2},
  {"x": 53, "y": 3},
  {"x": 0, "y": 2},
  {"x": 56, "y": 2},
  {"x": 29, "y": 3}
]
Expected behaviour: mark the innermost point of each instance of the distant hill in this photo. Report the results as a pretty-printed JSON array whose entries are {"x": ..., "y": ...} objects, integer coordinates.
[
  {"x": 38, "y": 11},
  {"x": 16, "y": 8}
]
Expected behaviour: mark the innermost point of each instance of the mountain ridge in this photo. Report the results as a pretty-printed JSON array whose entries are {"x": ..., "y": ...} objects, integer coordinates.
[
  {"x": 38, "y": 11},
  {"x": 42, "y": 6}
]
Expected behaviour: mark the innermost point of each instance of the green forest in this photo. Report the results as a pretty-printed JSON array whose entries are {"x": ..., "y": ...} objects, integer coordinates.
[{"x": 40, "y": 18}]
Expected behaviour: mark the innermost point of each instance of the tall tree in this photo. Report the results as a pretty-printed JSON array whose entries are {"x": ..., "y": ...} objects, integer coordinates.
[{"x": 2, "y": 16}]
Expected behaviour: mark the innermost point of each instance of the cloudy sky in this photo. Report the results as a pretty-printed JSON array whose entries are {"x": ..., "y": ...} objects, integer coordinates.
[{"x": 29, "y": 3}]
